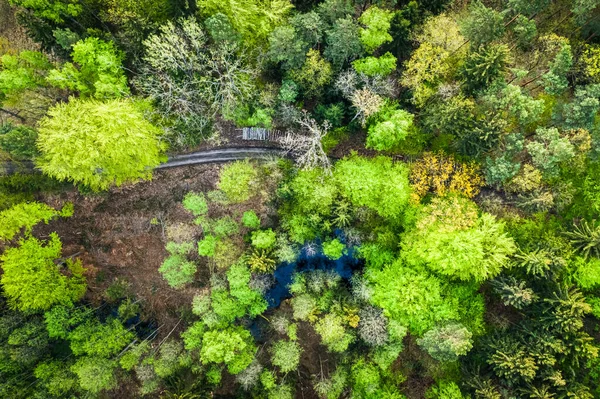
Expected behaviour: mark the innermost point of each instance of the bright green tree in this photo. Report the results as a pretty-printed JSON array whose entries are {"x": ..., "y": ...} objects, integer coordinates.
[
  {"x": 390, "y": 130},
  {"x": 33, "y": 282},
  {"x": 98, "y": 73},
  {"x": 452, "y": 239},
  {"x": 98, "y": 144},
  {"x": 286, "y": 355},
  {"x": 238, "y": 181},
  {"x": 377, "y": 22},
  {"x": 232, "y": 346},
  {"x": 376, "y": 183},
  {"x": 26, "y": 215}
]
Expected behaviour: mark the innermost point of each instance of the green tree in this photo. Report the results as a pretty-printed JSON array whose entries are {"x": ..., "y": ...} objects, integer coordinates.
[
  {"x": 250, "y": 220},
  {"x": 98, "y": 144},
  {"x": 232, "y": 346},
  {"x": 377, "y": 22},
  {"x": 26, "y": 215},
  {"x": 287, "y": 48},
  {"x": 99, "y": 340},
  {"x": 376, "y": 66},
  {"x": 483, "y": 24},
  {"x": 334, "y": 249},
  {"x": 238, "y": 180},
  {"x": 18, "y": 141},
  {"x": 177, "y": 269},
  {"x": 95, "y": 374},
  {"x": 333, "y": 333},
  {"x": 343, "y": 42},
  {"x": 314, "y": 75},
  {"x": 376, "y": 183},
  {"x": 33, "y": 282},
  {"x": 484, "y": 66},
  {"x": 98, "y": 74},
  {"x": 263, "y": 239},
  {"x": 253, "y": 19},
  {"x": 286, "y": 355},
  {"x": 390, "y": 130},
  {"x": 548, "y": 149},
  {"x": 447, "y": 343},
  {"x": 52, "y": 10},
  {"x": 452, "y": 239}
]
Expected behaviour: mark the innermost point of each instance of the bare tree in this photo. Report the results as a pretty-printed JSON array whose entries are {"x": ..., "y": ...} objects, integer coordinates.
[
  {"x": 307, "y": 146},
  {"x": 366, "y": 103}
]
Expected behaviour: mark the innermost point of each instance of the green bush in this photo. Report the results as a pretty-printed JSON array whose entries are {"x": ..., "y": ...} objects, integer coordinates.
[
  {"x": 250, "y": 220},
  {"x": 333, "y": 249},
  {"x": 238, "y": 181},
  {"x": 206, "y": 247},
  {"x": 18, "y": 141},
  {"x": 264, "y": 239},
  {"x": 195, "y": 203},
  {"x": 286, "y": 355},
  {"x": 177, "y": 269}
]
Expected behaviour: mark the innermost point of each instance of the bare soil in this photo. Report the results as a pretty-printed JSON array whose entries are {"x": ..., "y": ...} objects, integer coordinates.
[{"x": 120, "y": 236}]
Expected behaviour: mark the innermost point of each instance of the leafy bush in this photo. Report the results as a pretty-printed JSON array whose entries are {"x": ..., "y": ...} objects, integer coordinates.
[
  {"x": 195, "y": 203},
  {"x": 225, "y": 227},
  {"x": 176, "y": 269},
  {"x": 250, "y": 220},
  {"x": 447, "y": 343},
  {"x": 232, "y": 346},
  {"x": 18, "y": 141},
  {"x": 238, "y": 181},
  {"x": 286, "y": 355},
  {"x": 264, "y": 239},
  {"x": 333, "y": 249}
]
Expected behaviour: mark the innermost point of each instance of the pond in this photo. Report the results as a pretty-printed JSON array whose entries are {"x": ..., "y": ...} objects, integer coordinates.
[{"x": 311, "y": 257}]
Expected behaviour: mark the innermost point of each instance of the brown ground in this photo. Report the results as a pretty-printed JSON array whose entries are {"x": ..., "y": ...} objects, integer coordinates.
[{"x": 115, "y": 238}]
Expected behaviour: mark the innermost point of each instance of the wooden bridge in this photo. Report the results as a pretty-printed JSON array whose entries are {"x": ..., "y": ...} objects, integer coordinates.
[{"x": 260, "y": 134}]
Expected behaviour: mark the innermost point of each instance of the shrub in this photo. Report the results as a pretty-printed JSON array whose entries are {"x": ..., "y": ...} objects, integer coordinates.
[
  {"x": 206, "y": 247},
  {"x": 18, "y": 141},
  {"x": 444, "y": 390},
  {"x": 264, "y": 239},
  {"x": 176, "y": 269},
  {"x": 333, "y": 333},
  {"x": 225, "y": 227},
  {"x": 390, "y": 131},
  {"x": 447, "y": 343},
  {"x": 286, "y": 355},
  {"x": 250, "y": 220},
  {"x": 238, "y": 181},
  {"x": 334, "y": 249},
  {"x": 195, "y": 203},
  {"x": 227, "y": 252}
]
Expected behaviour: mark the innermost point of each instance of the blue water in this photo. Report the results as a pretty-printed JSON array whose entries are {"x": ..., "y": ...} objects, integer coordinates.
[{"x": 344, "y": 266}]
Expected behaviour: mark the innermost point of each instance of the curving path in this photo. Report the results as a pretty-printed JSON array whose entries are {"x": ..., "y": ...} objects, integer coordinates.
[{"x": 194, "y": 158}]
